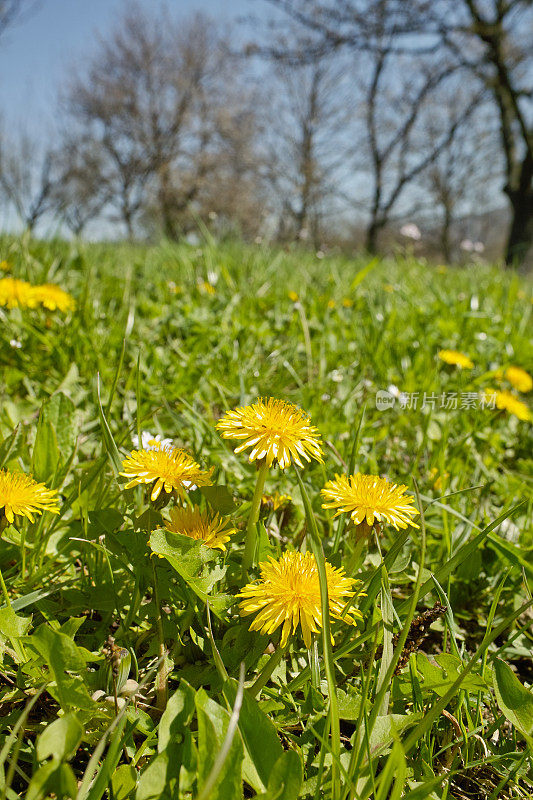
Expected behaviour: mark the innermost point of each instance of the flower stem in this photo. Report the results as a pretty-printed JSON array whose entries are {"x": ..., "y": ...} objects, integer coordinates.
[
  {"x": 355, "y": 557},
  {"x": 4, "y": 590},
  {"x": 251, "y": 529},
  {"x": 161, "y": 687},
  {"x": 268, "y": 669},
  {"x": 314, "y": 664}
]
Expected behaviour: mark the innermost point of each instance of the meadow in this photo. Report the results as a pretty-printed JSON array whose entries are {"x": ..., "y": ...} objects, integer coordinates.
[{"x": 128, "y": 666}]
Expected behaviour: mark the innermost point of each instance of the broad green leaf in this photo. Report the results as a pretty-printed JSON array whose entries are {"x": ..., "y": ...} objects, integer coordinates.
[
  {"x": 258, "y": 732},
  {"x": 388, "y": 726},
  {"x": 189, "y": 558},
  {"x": 60, "y": 412},
  {"x": 124, "y": 781},
  {"x": 12, "y": 445},
  {"x": 53, "y": 778},
  {"x": 349, "y": 705},
  {"x": 286, "y": 777},
  {"x": 177, "y": 715},
  {"x": 514, "y": 700},
  {"x": 213, "y": 723},
  {"x": 176, "y": 756},
  {"x": 439, "y": 675},
  {"x": 61, "y": 655},
  {"x": 60, "y": 739},
  {"x": 11, "y": 625},
  {"x": 219, "y": 498},
  {"x": 45, "y": 452},
  {"x": 104, "y": 520}
]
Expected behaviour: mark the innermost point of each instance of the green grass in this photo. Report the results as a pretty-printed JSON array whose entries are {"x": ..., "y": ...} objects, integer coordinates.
[{"x": 447, "y": 714}]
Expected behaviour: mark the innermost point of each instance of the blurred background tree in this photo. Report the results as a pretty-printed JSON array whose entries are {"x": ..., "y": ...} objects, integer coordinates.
[{"x": 330, "y": 124}]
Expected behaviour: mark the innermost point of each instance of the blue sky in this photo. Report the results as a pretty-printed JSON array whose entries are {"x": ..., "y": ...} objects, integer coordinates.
[{"x": 37, "y": 53}]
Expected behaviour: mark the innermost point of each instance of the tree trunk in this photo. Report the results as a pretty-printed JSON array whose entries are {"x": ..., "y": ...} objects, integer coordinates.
[
  {"x": 371, "y": 239},
  {"x": 520, "y": 239}
]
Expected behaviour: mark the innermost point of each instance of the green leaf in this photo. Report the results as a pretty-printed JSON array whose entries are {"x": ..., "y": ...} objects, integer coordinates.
[
  {"x": 11, "y": 625},
  {"x": 60, "y": 412},
  {"x": 55, "y": 440},
  {"x": 514, "y": 700},
  {"x": 189, "y": 558},
  {"x": 349, "y": 705},
  {"x": 388, "y": 726},
  {"x": 45, "y": 452},
  {"x": 52, "y": 778},
  {"x": 177, "y": 715},
  {"x": 104, "y": 520},
  {"x": 124, "y": 781},
  {"x": 60, "y": 739},
  {"x": 439, "y": 675},
  {"x": 61, "y": 655},
  {"x": 12, "y": 445},
  {"x": 219, "y": 498},
  {"x": 176, "y": 756},
  {"x": 285, "y": 780},
  {"x": 258, "y": 732},
  {"x": 213, "y": 721}
]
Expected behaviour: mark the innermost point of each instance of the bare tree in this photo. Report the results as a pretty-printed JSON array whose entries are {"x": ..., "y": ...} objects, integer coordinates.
[
  {"x": 493, "y": 38},
  {"x": 26, "y": 178},
  {"x": 151, "y": 100},
  {"x": 12, "y": 10},
  {"x": 488, "y": 40},
  {"x": 79, "y": 193},
  {"x": 304, "y": 127}
]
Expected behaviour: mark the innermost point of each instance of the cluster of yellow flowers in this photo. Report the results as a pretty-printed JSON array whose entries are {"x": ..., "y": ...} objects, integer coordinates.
[
  {"x": 16, "y": 293},
  {"x": 501, "y": 398},
  {"x": 287, "y": 593}
]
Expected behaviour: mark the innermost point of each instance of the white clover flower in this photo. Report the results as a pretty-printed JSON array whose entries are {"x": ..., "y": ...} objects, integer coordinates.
[
  {"x": 150, "y": 441},
  {"x": 411, "y": 231},
  {"x": 479, "y": 247},
  {"x": 15, "y": 343},
  {"x": 468, "y": 245}
]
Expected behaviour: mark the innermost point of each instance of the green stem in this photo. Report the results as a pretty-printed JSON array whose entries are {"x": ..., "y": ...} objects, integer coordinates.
[
  {"x": 251, "y": 529},
  {"x": 329, "y": 668},
  {"x": 4, "y": 590},
  {"x": 314, "y": 664},
  {"x": 355, "y": 557},
  {"x": 161, "y": 688},
  {"x": 23, "y": 553},
  {"x": 266, "y": 672}
]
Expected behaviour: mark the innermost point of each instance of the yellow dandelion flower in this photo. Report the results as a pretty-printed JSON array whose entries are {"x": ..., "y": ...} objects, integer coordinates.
[
  {"x": 168, "y": 469},
  {"x": 519, "y": 378},
  {"x": 434, "y": 474},
  {"x": 210, "y": 528},
  {"x": 16, "y": 293},
  {"x": 275, "y": 501},
  {"x": 53, "y": 297},
  {"x": 288, "y": 593},
  {"x": 331, "y": 304},
  {"x": 5, "y": 266},
  {"x": 455, "y": 359},
  {"x": 347, "y": 303},
  {"x": 20, "y": 494},
  {"x": 206, "y": 288},
  {"x": 507, "y": 402},
  {"x": 370, "y": 498},
  {"x": 275, "y": 430},
  {"x": 293, "y": 296}
]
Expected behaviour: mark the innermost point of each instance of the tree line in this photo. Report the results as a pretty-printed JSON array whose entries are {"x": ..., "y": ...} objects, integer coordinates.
[{"x": 337, "y": 122}]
